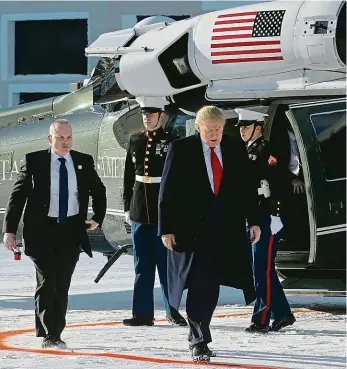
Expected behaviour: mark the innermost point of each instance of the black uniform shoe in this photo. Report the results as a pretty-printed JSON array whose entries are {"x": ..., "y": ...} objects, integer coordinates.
[
  {"x": 209, "y": 352},
  {"x": 200, "y": 352},
  {"x": 49, "y": 342},
  {"x": 257, "y": 328},
  {"x": 60, "y": 343},
  {"x": 283, "y": 322},
  {"x": 177, "y": 319},
  {"x": 136, "y": 321}
]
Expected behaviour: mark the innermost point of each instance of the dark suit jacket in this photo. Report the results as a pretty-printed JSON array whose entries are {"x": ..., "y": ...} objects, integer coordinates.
[
  {"x": 32, "y": 189},
  {"x": 183, "y": 205}
]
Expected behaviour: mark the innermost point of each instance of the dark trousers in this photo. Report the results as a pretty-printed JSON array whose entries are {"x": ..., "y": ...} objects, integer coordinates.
[
  {"x": 149, "y": 254},
  {"x": 271, "y": 300},
  {"x": 202, "y": 299},
  {"x": 54, "y": 264},
  {"x": 203, "y": 279}
]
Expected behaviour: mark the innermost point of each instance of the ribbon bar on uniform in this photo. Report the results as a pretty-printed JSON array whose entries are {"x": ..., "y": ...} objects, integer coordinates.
[{"x": 145, "y": 179}]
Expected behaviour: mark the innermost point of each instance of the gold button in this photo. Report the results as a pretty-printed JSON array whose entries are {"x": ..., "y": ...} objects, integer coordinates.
[
  {"x": 150, "y": 139},
  {"x": 146, "y": 159},
  {"x": 147, "y": 152},
  {"x": 154, "y": 133},
  {"x": 146, "y": 166},
  {"x": 149, "y": 145},
  {"x": 146, "y": 173}
]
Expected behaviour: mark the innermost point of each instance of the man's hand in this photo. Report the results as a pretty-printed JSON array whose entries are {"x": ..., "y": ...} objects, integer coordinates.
[
  {"x": 10, "y": 241},
  {"x": 168, "y": 240},
  {"x": 93, "y": 225},
  {"x": 254, "y": 233},
  {"x": 127, "y": 217},
  {"x": 298, "y": 186}
]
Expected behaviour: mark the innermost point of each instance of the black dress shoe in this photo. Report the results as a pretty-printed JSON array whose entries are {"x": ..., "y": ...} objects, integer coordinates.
[
  {"x": 200, "y": 352},
  {"x": 48, "y": 342},
  {"x": 177, "y": 319},
  {"x": 60, "y": 343},
  {"x": 283, "y": 322},
  {"x": 257, "y": 328},
  {"x": 137, "y": 321},
  {"x": 209, "y": 352}
]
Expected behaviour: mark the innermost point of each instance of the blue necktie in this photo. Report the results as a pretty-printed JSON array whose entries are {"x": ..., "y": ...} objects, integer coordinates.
[{"x": 63, "y": 191}]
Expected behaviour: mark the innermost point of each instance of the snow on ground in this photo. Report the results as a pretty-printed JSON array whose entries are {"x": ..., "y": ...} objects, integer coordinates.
[{"x": 317, "y": 340}]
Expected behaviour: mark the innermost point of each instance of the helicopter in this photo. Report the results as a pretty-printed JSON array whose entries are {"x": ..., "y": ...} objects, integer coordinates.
[{"x": 301, "y": 90}]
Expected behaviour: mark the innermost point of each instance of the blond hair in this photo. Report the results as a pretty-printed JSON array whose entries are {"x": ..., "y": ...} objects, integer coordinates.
[{"x": 209, "y": 112}]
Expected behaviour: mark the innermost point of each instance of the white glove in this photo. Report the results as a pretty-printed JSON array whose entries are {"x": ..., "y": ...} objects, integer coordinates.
[
  {"x": 276, "y": 224},
  {"x": 127, "y": 217}
]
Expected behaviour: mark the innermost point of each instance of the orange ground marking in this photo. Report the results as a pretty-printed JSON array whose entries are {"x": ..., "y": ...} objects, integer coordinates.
[{"x": 4, "y": 336}]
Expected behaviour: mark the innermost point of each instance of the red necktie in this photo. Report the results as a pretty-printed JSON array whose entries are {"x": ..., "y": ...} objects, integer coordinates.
[{"x": 217, "y": 171}]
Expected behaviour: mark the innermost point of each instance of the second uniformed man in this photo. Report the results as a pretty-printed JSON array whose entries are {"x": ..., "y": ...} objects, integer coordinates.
[
  {"x": 272, "y": 176},
  {"x": 142, "y": 176}
]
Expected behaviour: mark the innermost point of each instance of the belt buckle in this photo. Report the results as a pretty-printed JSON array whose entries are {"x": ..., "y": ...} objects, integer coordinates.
[{"x": 147, "y": 179}]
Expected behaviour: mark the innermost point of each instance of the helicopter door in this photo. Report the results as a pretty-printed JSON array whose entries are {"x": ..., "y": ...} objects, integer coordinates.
[{"x": 320, "y": 128}]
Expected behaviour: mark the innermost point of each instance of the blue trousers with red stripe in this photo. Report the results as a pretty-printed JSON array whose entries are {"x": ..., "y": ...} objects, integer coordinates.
[
  {"x": 149, "y": 254},
  {"x": 271, "y": 301}
]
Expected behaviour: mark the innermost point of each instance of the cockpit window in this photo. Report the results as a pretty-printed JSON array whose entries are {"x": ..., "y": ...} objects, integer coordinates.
[{"x": 330, "y": 130}]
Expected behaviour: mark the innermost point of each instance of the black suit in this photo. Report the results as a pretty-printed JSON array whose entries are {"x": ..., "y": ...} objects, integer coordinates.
[
  {"x": 53, "y": 247},
  {"x": 212, "y": 246}
]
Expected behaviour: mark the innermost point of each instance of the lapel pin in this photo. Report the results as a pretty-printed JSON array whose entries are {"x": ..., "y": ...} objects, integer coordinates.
[{"x": 79, "y": 167}]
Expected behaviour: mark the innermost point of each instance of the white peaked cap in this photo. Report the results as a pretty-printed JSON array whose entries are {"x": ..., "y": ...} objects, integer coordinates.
[
  {"x": 152, "y": 102},
  {"x": 250, "y": 115}
]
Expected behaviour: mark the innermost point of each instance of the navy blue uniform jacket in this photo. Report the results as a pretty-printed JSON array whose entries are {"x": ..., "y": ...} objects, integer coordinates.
[{"x": 183, "y": 201}]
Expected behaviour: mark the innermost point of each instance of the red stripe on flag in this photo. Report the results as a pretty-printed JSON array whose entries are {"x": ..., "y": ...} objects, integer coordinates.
[
  {"x": 247, "y": 60},
  {"x": 234, "y": 21},
  {"x": 236, "y": 14},
  {"x": 246, "y": 52},
  {"x": 239, "y": 44},
  {"x": 243, "y": 28},
  {"x": 229, "y": 37}
]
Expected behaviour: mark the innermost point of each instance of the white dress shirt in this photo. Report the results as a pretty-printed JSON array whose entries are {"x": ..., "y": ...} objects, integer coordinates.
[
  {"x": 73, "y": 207},
  {"x": 207, "y": 155}
]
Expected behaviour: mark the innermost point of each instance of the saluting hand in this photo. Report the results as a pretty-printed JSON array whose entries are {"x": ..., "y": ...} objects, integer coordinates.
[
  {"x": 93, "y": 225},
  {"x": 10, "y": 241},
  {"x": 168, "y": 241},
  {"x": 254, "y": 234}
]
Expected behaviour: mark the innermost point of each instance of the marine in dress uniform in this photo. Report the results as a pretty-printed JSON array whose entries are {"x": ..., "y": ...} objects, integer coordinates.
[
  {"x": 142, "y": 176},
  {"x": 272, "y": 177}
]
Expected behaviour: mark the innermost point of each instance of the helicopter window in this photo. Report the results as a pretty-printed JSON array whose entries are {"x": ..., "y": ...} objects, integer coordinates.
[
  {"x": 330, "y": 129},
  {"x": 182, "y": 125},
  {"x": 125, "y": 125}
]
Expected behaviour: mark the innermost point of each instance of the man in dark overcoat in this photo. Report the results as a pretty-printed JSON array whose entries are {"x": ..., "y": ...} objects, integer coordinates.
[{"x": 206, "y": 195}]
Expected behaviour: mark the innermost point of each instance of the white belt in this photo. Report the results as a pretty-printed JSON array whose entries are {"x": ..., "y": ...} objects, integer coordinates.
[{"x": 146, "y": 179}]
